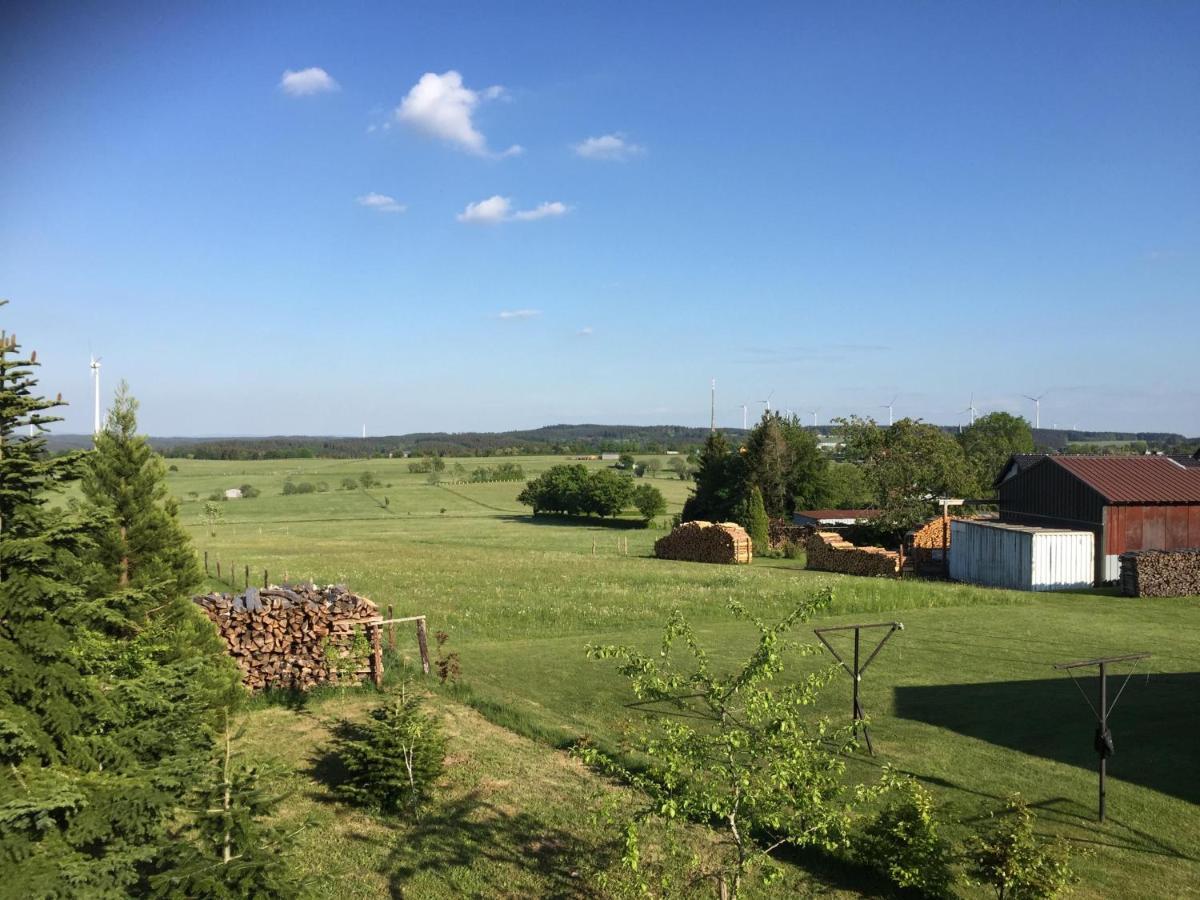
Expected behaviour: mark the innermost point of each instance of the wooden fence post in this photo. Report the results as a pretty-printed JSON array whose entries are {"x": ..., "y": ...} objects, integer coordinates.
[
  {"x": 247, "y": 577},
  {"x": 266, "y": 583},
  {"x": 376, "y": 657},
  {"x": 391, "y": 629},
  {"x": 423, "y": 643},
  {"x": 205, "y": 563},
  {"x": 218, "y": 570}
]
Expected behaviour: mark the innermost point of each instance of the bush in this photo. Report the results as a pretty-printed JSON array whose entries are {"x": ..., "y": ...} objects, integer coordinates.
[
  {"x": 304, "y": 487},
  {"x": 366, "y": 479},
  {"x": 1008, "y": 857},
  {"x": 574, "y": 491},
  {"x": 903, "y": 842},
  {"x": 172, "y": 468},
  {"x": 757, "y": 523},
  {"x": 322, "y": 487},
  {"x": 393, "y": 760},
  {"x": 349, "y": 484},
  {"x": 220, "y": 495},
  {"x": 649, "y": 501},
  {"x": 249, "y": 491}
]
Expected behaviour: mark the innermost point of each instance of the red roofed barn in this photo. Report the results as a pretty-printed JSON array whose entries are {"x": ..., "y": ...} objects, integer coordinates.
[{"x": 1128, "y": 502}]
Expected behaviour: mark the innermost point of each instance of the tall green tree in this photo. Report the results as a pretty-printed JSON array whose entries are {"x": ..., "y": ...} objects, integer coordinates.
[
  {"x": 125, "y": 482},
  {"x": 103, "y": 706},
  {"x": 783, "y": 460},
  {"x": 907, "y": 465},
  {"x": 988, "y": 443},
  {"x": 720, "y": 492},
  {"x": 758, "y": 524}
]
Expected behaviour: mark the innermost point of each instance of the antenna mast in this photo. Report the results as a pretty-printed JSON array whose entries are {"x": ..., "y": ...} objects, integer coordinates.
[{"x": 712, "y": 416}]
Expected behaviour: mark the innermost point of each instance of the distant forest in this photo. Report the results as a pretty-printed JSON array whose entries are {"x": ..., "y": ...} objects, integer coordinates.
[{"x": 565, "y": 440}]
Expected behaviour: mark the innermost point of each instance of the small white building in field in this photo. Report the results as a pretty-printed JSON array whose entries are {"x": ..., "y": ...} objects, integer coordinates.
[
  {"x": 1021, "y": 557},
  {"x": 233, "y": 494}
]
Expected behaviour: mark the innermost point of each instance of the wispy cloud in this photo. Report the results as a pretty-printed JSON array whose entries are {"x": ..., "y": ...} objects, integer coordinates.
[
  {"x": 585, "y": 331},
  {"x": 519, "y": 314},
  {"x": 381, "y": 203},
  {"x": 608, "y": 147},
  {"x": 497, "y": 209},
  {"x": 442, "y": 106},
  {"x": 314, "y": 80}
]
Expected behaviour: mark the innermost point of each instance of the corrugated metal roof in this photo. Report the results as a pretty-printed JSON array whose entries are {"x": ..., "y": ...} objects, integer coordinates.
[{"x": 1134, "y": 479}]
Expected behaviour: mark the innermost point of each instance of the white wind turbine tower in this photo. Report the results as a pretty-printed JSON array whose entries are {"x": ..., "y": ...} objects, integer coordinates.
[
  {"x": 888, "y": 407},
  {"x": 970, "y": 409},
  {"x": 744, "y": 422},
  {"x": 767, "y": 402},
  {"x": 95, "y": 367},
  {"x": 1037, "y": 408},
  {"x": 813, "y": 413}
]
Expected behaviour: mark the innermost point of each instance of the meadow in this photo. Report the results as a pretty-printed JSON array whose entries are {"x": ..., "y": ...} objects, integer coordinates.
[{"x": 964, "y": 698}]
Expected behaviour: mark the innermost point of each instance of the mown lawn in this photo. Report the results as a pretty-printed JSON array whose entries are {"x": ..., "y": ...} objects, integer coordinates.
[{"x": 965, "y": 697}]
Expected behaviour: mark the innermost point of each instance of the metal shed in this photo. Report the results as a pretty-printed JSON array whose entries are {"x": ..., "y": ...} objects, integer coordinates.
[{"x": 1021, "y": 557}]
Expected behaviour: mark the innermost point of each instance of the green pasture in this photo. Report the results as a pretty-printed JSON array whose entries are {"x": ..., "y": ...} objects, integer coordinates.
[{"x": 964, "y": 697}]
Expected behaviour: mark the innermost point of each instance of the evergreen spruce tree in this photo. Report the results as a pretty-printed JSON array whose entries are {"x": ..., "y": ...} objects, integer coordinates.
[
  {"x": 720, "y": 494},
  {"x": 124, "y": 480},
  {"x": 758, "y": 525},
  {"x": 104, "y": 702},
  {"x": 226, "y": 849}
]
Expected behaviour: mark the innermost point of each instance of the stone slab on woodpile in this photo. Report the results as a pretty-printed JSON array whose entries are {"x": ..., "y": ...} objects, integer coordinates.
[
  {"x": 1160, "y": 573},
  {"x": 713, "y": 542},
  {"x": 827, "y": 551},
  {"x": 278, "y": 635}
]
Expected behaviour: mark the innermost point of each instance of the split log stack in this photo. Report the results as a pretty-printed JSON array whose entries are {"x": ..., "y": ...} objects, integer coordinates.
[
  {"x": 781, "y": 532},
  {"x": 933, "y": 535},
  {"x": 827, "y": 551},
  {"x": 1160, "y": 573},
  {"x": 712, "y": 542},
  {"x": 279, "y": 635}
]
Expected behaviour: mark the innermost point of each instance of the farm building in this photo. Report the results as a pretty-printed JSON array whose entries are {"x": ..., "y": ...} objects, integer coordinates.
[
  {"x": 832, "y": 518},
  {"x": 1021, "y": 557},
  {"x": 233, "y": 494},
  {"x": 1127, "y": 502}
]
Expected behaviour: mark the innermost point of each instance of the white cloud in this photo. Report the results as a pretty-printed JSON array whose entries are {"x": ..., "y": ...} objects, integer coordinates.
[
  {"x": 381, "y": 202},
  {"x": 519, "y": 314},
  {"x": 609, "y": 147},
  {"x": 543, "y": 211},
  {"x": 307, "y": 81},
  {"x": 586, "y": 331},
  {"x": 498, "y": 209},
  {"x": 442, "y": 106}
]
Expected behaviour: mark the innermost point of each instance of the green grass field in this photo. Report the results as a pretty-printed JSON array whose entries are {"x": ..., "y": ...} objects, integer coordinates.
[{"x": 964, "y": 698}]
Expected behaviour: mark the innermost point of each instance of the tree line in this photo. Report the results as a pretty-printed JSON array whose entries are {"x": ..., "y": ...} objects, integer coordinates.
[{"x": 575, "y": 490}]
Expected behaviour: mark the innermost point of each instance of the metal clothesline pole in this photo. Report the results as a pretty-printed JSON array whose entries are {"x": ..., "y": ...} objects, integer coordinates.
[{"x": 856, "y": 672}]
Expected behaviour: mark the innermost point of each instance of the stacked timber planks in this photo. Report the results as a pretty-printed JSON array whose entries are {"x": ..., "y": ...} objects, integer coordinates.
[
  {"x": 827, "y": 551},
  {"x": 1160, "y": 573},
  {"x": 713, "y": 542},
  {"x": 295, "y": 636}
]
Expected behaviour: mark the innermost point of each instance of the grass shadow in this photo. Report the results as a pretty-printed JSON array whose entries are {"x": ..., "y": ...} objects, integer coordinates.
[{"x": 577, "y": 521}]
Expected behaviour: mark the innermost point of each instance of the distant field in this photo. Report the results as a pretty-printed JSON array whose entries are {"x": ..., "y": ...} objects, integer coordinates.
[{"x": 964, "y": 697}]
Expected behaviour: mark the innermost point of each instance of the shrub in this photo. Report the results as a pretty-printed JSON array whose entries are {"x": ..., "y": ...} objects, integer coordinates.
[
  {"x": 447, "y": 664},
  {"x": 349, "y": 484},
  {"x": 393, "y": 760},
  {"x": 1008, "y": 857},
  {"x": 304, "y": 487},
  {"x": 366, "y": 479},
  {"x": 172, "y": 468},
  {"x": 649, "y": 501},
  {"x": 249, "y": 491},
  {"x": 904, "y": 843},
  {"x": 220, "y": 495},
  {"x": 322, "y": 487},
  {"x": 757, "y": 523}
]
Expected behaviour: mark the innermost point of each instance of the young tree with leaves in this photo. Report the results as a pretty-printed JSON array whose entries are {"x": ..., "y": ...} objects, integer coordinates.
[
  {"x": 739, "y": 752},
  {"x": 783, "y": 460},
  {"x": 1009, "y": 857},
  {"x": 989, "y": 441}
]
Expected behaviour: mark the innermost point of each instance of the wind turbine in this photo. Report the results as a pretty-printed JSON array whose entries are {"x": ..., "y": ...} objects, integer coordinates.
[
  {"x": 95, "y": 367},
  {"x": 888, "y": 407},
  {"x": 767, "y": 402},
  {"x": 1037, "y": 408},
  {"x": 970, "y": 409},
  {"x": 744, "y": 422},
  {"x": 813, "y": 412}
]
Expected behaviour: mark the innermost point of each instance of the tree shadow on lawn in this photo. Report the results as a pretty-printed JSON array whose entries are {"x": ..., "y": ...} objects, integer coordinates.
[
  {"x": 459, "y": 833},
  {"x": 579, "y": 521},
  {"x": 1153, "y": 723}
]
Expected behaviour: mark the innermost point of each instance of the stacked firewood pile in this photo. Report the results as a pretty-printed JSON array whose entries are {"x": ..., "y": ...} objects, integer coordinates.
[
  {"x": 296, "y": 636},
  {"x": 1160, "y": 573},
  {"x": 714, "y": 542},
  {"x": 827, "y": 551},
  {"x": 782, "y": 532},
  {"x": 933, "y": 535}
]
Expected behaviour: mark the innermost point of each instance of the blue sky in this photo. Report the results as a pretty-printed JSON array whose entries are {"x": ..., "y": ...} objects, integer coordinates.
[{"x": 505, "y": 215}]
